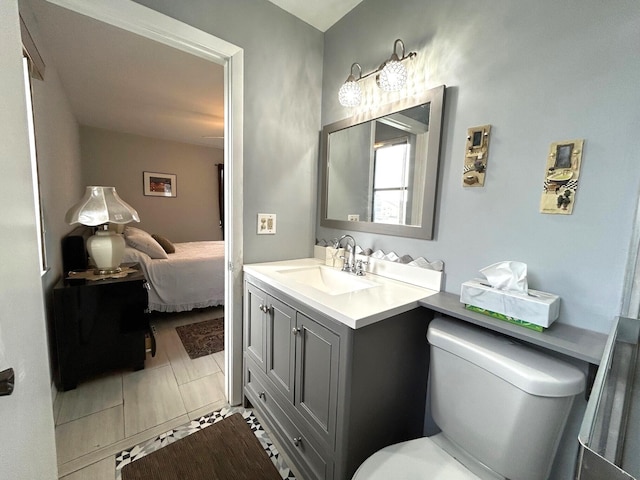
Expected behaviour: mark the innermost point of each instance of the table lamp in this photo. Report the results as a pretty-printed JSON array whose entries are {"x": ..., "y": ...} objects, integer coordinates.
[{"x": 99, "y": 207}]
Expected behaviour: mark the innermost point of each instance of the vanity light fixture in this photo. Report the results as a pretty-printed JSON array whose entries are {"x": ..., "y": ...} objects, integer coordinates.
[
  {"x": 390, "y": 77},
  {"x": 350, "y": 94}
]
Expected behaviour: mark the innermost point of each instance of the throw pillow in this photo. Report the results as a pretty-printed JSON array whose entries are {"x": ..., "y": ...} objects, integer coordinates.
[
  {"x": 146, "y": 244},
  {"x": 166, "y": 244}
]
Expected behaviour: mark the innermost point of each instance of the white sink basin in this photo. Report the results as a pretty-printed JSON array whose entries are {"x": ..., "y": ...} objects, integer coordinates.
[{"x": 327, "y": 280}]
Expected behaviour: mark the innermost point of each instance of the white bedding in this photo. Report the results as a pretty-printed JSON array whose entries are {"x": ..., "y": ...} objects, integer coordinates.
[{"x": 192, "y": 277}]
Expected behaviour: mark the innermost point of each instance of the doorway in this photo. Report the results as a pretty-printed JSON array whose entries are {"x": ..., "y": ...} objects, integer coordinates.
[{"x": 134, "y": 18}]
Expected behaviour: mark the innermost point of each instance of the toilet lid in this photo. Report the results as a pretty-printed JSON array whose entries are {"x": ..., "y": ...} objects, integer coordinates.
[{"x": 413, "y": 460}]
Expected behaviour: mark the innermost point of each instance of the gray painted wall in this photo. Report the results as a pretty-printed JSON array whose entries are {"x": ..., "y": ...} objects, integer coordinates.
[
  {"x": 58, "y": 150},
  {"x": 59, "y": 165},
  {"x": 282, "y": 89},
  {"x": 118, "y": 159},
  {"x": 538, "y": 72}
]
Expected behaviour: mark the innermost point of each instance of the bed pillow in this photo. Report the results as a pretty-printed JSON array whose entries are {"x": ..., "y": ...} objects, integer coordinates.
[
  {"x": 145, "y": 243},
  {"x": 129, "y": 231},
  {"x": 166, "y": 244}
]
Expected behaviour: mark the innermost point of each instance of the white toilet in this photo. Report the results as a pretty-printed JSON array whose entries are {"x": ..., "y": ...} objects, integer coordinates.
[{"x": 501, "y": 406}]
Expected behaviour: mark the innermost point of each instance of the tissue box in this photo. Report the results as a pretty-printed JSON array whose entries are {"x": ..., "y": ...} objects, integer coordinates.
[{"x": 536, "y": 307}]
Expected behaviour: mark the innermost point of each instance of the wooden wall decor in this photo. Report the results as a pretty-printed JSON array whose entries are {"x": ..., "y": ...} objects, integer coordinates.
[
  {"x": 561, "y": 177},
  {"x": 476, "y": 155}
]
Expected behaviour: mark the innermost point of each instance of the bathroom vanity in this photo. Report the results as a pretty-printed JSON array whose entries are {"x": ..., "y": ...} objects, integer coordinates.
[{"x": 324, "y": 358}]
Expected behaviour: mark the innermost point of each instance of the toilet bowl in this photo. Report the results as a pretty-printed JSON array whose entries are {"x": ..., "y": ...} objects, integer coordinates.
[
  {"x": 415, "y": 459},
  {"x": 501, "y": 406}
]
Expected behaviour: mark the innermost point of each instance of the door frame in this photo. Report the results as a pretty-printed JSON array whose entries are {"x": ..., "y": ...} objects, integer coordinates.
[{"x": 141, "y": 20}]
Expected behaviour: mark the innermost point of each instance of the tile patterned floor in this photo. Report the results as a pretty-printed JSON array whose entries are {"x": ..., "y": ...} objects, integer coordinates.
[
  {"x": 108, "y": 414},
  {"x": 138, "y": 451}
]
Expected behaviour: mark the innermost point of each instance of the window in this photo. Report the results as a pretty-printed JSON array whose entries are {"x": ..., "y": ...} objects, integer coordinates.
[
  {"x": 391, "y": 182},
  {"x": 34, "y": 166}
]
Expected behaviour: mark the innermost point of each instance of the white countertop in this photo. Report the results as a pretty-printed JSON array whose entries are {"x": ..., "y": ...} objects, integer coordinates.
[{"x": 354, "y": 309}]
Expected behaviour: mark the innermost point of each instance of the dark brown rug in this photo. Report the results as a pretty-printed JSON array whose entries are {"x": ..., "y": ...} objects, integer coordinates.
[
  {"x": 222, "y": 451},
  {"x": 202, "y": 338}
]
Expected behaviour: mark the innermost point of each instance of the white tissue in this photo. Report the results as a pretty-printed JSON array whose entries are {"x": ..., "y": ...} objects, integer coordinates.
[{"x": 509, "y": 275}]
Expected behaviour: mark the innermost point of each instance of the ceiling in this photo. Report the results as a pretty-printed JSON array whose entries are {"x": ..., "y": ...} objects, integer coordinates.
[
  {"x": 123, "y": 82},
  {"x": 321, "y": 14}
]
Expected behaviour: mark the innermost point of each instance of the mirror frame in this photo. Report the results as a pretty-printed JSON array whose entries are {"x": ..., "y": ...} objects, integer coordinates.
[{"x": 433, "y": 96}]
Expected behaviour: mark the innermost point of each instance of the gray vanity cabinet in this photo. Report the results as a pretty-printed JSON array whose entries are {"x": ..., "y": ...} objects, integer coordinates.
[
  {"x": 331, "y": 395},
  {"x": 281, "y": 319},
  {"x": 255, "y": 338},
  {"x": 317, "y": 351},
  {"x": 269, "y": 338}
]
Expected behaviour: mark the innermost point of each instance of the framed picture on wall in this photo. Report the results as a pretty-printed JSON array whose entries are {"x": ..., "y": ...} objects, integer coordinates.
[{"x": 160, "y": 184}]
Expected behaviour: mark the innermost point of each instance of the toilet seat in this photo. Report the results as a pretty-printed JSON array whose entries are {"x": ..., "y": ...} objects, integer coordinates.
[{"x": 413, "y": 460}]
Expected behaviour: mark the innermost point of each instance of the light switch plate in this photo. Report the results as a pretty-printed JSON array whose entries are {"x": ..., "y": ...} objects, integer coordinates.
[{"x": 266, "y": 223}]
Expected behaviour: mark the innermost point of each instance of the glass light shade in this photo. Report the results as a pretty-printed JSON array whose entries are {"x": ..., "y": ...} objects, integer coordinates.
[
  {"x": 393, "y": 75},
  {"x": 101, "y": 205},
  {"x": 350, "y": 94}
]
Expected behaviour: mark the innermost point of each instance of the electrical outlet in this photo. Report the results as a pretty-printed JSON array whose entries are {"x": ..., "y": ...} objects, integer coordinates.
[
  {"x": 353, "y": 217},
  {"x": 266, "y": 223}
]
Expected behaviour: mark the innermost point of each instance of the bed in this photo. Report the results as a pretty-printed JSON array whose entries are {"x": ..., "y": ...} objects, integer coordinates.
[
  {"x": 182, "y": 276},
  {"x": 191, "y": 276}
]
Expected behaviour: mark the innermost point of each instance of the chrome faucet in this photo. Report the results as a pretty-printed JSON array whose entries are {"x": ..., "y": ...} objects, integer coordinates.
[{"x": 350, "y": 261}]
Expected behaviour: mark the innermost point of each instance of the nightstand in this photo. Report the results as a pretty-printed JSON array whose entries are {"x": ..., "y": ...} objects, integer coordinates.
[{"x": 100, "y": 324}]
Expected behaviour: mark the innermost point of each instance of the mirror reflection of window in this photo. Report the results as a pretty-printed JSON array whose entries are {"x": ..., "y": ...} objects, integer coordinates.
[{"x": 391, "y": 183}]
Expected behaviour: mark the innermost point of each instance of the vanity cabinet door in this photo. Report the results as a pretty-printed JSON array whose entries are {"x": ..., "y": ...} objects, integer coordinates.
[
  {"x": 255, "y": 338},
  {"x": 281, "y": 346},
  {"x": 317, "y": 355}
]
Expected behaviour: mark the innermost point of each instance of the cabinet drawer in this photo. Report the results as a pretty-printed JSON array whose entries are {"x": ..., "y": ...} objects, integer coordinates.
[{"x": 298, "y": 446}]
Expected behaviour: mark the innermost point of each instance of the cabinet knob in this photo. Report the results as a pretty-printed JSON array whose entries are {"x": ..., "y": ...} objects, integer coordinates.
[
  {"x": 295, "y": 330},
  {"x": 265, "y": 308},
  {"x": 262, "y": 395},
  {"x": 297, "y": 441}
]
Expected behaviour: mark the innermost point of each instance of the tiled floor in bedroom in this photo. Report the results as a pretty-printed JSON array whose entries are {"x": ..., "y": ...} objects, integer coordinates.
[{"x": 106, "y": 415}]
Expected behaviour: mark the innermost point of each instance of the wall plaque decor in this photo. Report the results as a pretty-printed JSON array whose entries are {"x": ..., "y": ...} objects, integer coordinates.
[
  {"x": 476, "y": 155},
  {"x": 561, "y": 177}
]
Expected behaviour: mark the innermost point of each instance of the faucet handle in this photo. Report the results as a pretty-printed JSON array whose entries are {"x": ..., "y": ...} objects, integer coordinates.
[
  {"x": 345, "y": 264},
  {"x": 359, "y": 267}
]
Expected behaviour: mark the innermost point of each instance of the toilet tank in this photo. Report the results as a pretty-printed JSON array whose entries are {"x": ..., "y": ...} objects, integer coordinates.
[{"x": 502, "y": 402}]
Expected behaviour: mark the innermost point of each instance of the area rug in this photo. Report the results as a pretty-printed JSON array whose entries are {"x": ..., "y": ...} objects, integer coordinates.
[
  {"x": 208, "y": 453},
  {"x": 202, "y": 338}
]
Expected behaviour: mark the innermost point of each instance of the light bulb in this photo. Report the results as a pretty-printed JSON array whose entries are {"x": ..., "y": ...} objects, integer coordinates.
[{"x": 393, "y": 75}]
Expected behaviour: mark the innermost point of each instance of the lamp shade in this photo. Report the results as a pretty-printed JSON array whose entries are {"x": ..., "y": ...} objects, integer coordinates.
[{"x": 101, "y": 205}]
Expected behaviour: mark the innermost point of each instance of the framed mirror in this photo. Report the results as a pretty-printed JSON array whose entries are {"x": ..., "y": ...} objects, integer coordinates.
[{"x": 379, "y": 174}]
